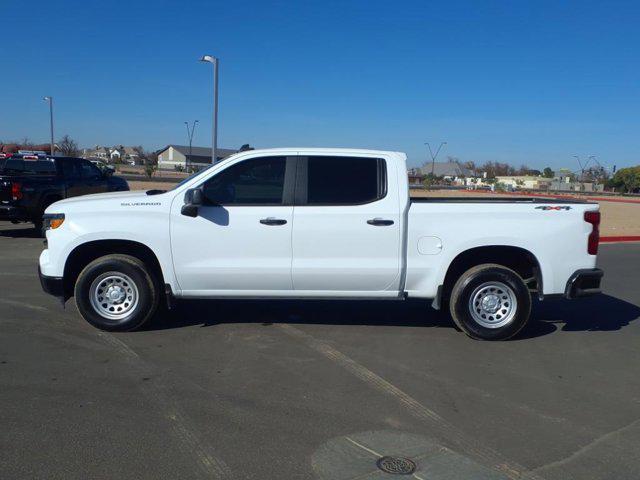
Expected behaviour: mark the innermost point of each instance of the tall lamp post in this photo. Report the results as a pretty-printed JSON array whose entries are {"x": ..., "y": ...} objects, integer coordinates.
[
  {"x": 50, "y": 100},
  {"x": 434, "y": 156},
  {"x": 190, "y": 137},
  {"x": 214, "y": 144}
]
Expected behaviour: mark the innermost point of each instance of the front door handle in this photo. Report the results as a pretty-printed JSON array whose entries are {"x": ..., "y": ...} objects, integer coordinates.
[
  {"x": 380, "y": 222},
  {"x": 272, "y": 221}
]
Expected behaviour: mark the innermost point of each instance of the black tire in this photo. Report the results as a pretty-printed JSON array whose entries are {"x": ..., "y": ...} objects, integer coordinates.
[
  {"x": 133, "y": 276},
  {"x": 38, "y": 227},
  {"x": 490, "y": 302}
]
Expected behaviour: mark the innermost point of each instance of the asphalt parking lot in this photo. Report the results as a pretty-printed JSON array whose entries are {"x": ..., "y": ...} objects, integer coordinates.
[{"x": 280, "y": 390}]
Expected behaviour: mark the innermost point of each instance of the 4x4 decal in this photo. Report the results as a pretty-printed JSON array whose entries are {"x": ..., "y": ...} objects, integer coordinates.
[{"x": 547, "y": 207}]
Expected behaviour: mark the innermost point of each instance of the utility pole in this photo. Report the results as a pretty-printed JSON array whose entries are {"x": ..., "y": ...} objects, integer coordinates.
[
  {"x": 433, "y": 156},
  {"x": 190, "y": 138},
  {"x": 216, "y": 66},
  {"x": 50, "y": 100}
]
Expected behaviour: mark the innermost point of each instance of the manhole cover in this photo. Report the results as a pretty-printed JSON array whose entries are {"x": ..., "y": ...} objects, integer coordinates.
[{"x": 396, "y": 465}]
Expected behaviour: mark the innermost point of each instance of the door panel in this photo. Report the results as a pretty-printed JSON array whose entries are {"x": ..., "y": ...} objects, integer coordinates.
[
  {"x": 240, "y": 242},
  {"x": 92, "y": 178},
  {"x": 343, "y": 244},
  {"x": 72, "y": 177},
  {"x": 227, "y": 248}
]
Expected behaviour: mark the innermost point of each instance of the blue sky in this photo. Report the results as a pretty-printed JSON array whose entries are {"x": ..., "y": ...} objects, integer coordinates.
[{"x": 514, "y": 81}]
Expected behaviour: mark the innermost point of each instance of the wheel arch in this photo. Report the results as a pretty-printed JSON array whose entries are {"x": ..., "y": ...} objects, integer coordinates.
[
  {"x": 518, "y": 259},
  {"x": 86, "y": 252}
]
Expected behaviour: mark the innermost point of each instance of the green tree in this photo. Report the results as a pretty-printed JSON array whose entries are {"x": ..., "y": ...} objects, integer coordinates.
[
  {"x": 150, "y": 169},
  {"x": 626, "y": 180},
  {"x": 428, "y": 181},
  {"x": 547, "y": 173}
]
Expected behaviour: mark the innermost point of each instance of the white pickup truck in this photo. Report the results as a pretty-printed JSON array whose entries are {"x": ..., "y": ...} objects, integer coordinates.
[{"x": 310, "y": 223}]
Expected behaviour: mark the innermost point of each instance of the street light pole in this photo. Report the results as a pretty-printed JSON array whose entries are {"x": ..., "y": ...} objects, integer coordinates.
[
  {"x": 214, "y": 141},
  {"x": 50, "y": 100},
  {"x": 433, "y": 157},
  {"x": 190, "y": 137}
]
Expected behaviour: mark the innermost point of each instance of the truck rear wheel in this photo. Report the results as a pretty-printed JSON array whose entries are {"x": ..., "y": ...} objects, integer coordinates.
[
  {"x": 116, "y": 293},
  {"x": 490, "y": 302}
]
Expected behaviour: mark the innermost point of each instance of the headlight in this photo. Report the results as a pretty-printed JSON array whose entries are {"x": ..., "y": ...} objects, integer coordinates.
[{"x": 51, "y": 221}]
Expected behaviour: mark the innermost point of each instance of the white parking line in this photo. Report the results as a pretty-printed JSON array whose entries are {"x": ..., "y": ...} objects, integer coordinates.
[
  {"x": 24, "y": 305},
  {"x": 181, "y": 426}
]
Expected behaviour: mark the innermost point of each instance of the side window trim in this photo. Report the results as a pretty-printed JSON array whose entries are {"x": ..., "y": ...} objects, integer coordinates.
[{"x": 302, "y": 181}]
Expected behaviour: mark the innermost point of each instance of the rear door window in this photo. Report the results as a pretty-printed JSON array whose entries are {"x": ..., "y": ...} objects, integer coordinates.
[
  {"x": 71, "y": 168},
  {"x": 345, "y": 180},
  {"x": 18, "y": 166}
]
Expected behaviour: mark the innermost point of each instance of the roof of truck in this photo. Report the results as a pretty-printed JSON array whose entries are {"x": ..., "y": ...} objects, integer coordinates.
[{"x": 325, "y": 150}]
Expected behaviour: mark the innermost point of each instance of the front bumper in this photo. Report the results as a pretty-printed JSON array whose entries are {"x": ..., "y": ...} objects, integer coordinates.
[
  {"x": 52, "y": 285},
  {"x": 583, "y": 283}
]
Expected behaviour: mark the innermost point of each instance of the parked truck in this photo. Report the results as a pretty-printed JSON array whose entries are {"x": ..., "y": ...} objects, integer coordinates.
[
  {"x": 30, "y": 182},
  {"x": 317, "y": 224}
]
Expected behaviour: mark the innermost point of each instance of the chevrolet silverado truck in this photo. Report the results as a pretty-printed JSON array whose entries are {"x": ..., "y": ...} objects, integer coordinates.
[
  {"x": 317, "y": 224},
  {"x": 29, "y": 183}
]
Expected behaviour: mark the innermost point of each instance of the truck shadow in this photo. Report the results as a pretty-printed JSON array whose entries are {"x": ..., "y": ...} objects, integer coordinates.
[
  {"x": 599, "y": 313},
  {"x": 18, "y": 231}
]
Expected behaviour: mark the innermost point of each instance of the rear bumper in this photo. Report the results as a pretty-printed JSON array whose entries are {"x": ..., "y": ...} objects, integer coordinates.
[
  {"x": 583, "y": 283},
  {"x": 52, "y": 285}
]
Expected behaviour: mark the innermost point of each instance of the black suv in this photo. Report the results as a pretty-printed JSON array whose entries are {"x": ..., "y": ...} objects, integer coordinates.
[{"x": 29, "y": 183}]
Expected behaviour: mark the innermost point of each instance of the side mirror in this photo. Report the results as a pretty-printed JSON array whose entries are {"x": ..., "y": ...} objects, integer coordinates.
[{"x": 192, "y": 200}]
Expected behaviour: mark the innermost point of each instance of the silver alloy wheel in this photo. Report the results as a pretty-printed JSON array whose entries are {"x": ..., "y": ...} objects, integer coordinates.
[
  {"x": 493, "y": 304},
  {"x": 113, "y": 295}
]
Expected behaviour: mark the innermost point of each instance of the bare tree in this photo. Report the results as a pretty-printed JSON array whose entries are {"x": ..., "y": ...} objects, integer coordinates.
[
  {"x": 495, "y": 169},
  {"x": 25, "y": 142},
  {"x": 68, "y": 146}
]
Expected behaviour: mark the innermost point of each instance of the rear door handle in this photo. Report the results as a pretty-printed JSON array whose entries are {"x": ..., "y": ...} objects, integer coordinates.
[
  {"x": 272, "y": 221},
  {"x": 380, "y": 222}
]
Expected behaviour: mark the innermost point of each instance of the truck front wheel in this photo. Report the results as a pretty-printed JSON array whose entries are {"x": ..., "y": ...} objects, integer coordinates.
[
  {"x": 490, "y": 302},
  {"x": 116, "y": 293}
]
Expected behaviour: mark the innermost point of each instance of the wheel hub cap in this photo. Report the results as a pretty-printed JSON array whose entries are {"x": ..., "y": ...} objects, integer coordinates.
[
  {"x": 113, "y": 295},
  {"x": 493, "y": 304}
]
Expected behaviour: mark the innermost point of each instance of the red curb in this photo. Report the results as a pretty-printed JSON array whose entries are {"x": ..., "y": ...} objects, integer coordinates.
[{"x": 622, "y": 238}]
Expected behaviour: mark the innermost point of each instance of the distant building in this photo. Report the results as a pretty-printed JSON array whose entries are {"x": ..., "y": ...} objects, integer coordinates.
[
  {"x": 125, "y": 154},
  {"x": 528, "y": 182},
  {"x": 97, "y": 153},
  {"x": 113, "y": 154},
  {"x": 177, "y": 156},
  {"x": 451, "y": 171}
]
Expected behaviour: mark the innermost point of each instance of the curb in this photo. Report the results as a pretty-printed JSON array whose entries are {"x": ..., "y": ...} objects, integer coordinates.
[{"x": 622, "y": 238}]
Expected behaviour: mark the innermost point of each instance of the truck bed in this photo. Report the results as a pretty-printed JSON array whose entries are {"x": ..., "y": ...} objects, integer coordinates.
[{"x": 470, "y": 199}]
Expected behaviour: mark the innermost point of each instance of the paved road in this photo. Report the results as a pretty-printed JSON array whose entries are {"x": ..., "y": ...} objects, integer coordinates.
[{"x": 281, "y": 390}]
